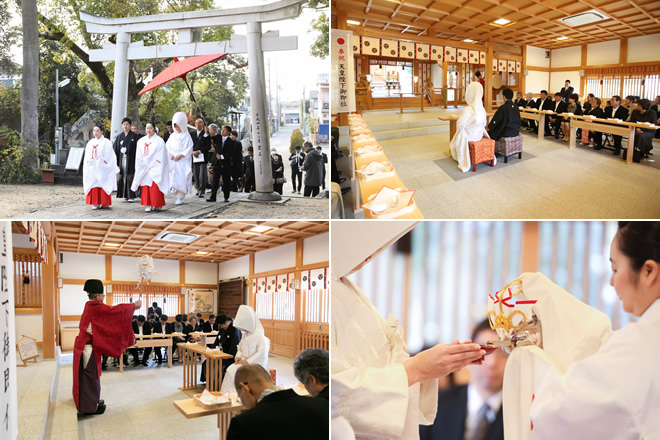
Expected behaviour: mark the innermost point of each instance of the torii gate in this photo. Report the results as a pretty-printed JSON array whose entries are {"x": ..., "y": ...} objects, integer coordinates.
[{"x": 190, "y": 26}]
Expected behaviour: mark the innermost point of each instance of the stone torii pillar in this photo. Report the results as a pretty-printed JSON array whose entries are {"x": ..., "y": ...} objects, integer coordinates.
[{"x": 190, "y": 26}]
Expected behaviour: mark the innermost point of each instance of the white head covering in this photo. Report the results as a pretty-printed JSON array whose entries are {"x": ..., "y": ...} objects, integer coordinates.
[
  {"x": 353, "y": 242},
  {"x": 246, "y": 320},
  {"x": 181, "y": 120},
  {"x": 473, "y": 94}
]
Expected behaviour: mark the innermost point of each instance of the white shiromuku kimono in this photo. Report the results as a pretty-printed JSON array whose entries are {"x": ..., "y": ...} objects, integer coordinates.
[
  {"x": 470, "y": 127},
  {"x": 587, "y": 382},
  {"x": 369, "y": 384},
  {"x": 181, "y": 143},
  {"x": 100, "y": 166},
  {"x": 152, "y": 163},
  {"x": 253, "y": 347}
]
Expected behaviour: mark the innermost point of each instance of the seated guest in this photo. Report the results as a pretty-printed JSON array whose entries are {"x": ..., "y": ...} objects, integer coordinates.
[
  {"x": 210, "y": 325},
  {"x": 177, "y": 327},
  {"x": 161, "y": 327},
  {"x": 545, "y": 103},
  {"x": 253, "y": 348},
  {"x": 506, "y": 120},
  {"x": 141, "y": 327},
  {"x": 200, "y": 321},
  {"x": 192, "y": 327},
  {"x": 616, "y": 111},
  {"x": 644, "y": 136},
  {"x": 566, "y": 91},
  {"x": 587, "y": 104},
  {"x": 559, "y": 106},
  {"x": 473, "y": 411},
  {"x": 228, "y": 339},
  {"x": 521, "y": 103},
  {"x": 575, "y": 108},
  {"x": 312, "y": 369},
  {"x": 596, "y": 137},
  {"x": 273, "y": 412},
  {"x": 656, "y": 104},
  {"x": 470, "y": 127},
  {"x": 531, "y": 103}
]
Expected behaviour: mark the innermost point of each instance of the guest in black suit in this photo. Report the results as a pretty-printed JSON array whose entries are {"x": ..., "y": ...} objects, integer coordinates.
[
  {"x": 210, "y": 325},
  {"x": 312, "y": 368},
  {"x": 596, "y": 138},
  {"x": 616, "y": 111},
  {"x": 545, "y": 103},
  {"x": 586, "y": 108},
  {"x": 222, "y": 162},
  {"x": 506, "y": 120},
  {"x": 163, "y": 327},
  {"x": 566, "y": 91},
  {"x": 248, "y": 172},
  {"x": 155, "y": 310},
  {"x": 141, "y": 327},
  {"x": 169, "y": 131},
  {"x": 237, "y": 163},
  {"x": 201, "y": 146},
  {"x": 227, "y": 339},
  {"x": 644, "y": 136},
  {"x": 200, "y": 321},
  {"x": 273, "y": 413},
  {"x": 473, "y": 411},
  {"x": 559, "y": 106},
  {"x": 575, "y": 108}
]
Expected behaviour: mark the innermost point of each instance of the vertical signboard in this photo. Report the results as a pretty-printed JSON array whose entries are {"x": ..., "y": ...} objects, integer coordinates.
[
  {"x": 343, "y": 72},
  {"x": 8, "y": 400}
]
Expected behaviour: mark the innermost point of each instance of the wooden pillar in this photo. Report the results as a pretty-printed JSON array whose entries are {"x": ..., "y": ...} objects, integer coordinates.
[
  {"x": 583, "y": 78},
  {"x": 623, "y": 60},
  {"x": 298, "y": 325},
  {"x": 252, "y": 301},
  {"x": 530, "y": 247},
  {"x": 48, "y": 286},
  {"x": 488, "y": 75},
  {"x": 523, "y": 77}
]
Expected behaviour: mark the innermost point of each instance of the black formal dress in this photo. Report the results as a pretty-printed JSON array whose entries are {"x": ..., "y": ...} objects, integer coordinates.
[
  {"x": 595, "y": 135},
  {"x": 450, "y": 420},
  {"x": 505, "y": 122},
  {"x": 620, "y": 113},
  {"x": 644, "y": 140},
  {"x": 202, "y": 143},
  {"x": 283, "y": 415},
  {"x": 222, "y": 166},
  {"x": 126, "y": 163},
  {"x": 278, "y": 173},
  {"x": 146, "y": 330},
  {"x": 248, "y": 172},
  {"x": 558, "y": 107}
]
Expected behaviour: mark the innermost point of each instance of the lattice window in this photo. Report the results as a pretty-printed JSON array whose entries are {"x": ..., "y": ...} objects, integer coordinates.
[
  {"x": 284, "y": 305},
  {"x": 167, "y": 297},
  {"x": 264, "y": 305},
  {"x": 317, "y": 305},
  {"x": 27, "y": 280}
]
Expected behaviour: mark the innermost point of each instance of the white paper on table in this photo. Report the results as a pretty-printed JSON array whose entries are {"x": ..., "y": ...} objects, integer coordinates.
[{"x": 209, "y": 399}]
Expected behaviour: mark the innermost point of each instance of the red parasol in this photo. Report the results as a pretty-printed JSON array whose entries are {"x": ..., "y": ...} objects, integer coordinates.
[{"x": 179, "y": 69}]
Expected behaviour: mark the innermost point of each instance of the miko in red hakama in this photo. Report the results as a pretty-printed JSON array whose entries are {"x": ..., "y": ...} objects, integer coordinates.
[{"x": 112, "y": 333}]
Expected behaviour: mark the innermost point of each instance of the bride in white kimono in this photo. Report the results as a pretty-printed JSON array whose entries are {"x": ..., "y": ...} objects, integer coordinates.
[
  {"x": 179, "y": 146},
  {"x": 589, "y": 382},
  {"x": 470, "y": 127},
  {"x": 376, "y": 386},
  {"x": 253, "y": 348}
]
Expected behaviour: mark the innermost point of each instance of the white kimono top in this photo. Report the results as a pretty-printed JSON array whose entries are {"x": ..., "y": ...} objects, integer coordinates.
[
  {"x": 369, "y": 384},
  {"x": 100, "y": 166},
  {"x": 470, "y": 127},
  {"x": 181, "y": 143},
  {"x": 152, "y": 163}
]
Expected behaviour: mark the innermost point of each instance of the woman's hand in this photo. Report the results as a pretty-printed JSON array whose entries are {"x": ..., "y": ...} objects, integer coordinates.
[
  {"x": 441, "y": 360},
  {"x": 638, "y": 130}
]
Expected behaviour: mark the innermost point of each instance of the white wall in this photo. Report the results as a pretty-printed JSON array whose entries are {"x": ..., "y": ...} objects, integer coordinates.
[
  {"x": 21, "y": 241},
  {"x": 29, "y": 325},
  {"x": 644, "y": 48},
  {"x": 536, "y": 57},
  {"x": 276, "y": 258},
  {"x": 201, "y": 273},
  {"x": 557, "y": 80},
  {"x": 566, "y": 57},
  {"x": 316, "y": 249},
  {"x": 73, "y": 299},
  {"x": 82, "y": 266},
  {"x": 239, "y": 267},
  {"x": 537, "y": 81},
  {"x": 436, "y": 75},
  {"x": 603, "y": 53},
  {"x": 125, "y": 269}
]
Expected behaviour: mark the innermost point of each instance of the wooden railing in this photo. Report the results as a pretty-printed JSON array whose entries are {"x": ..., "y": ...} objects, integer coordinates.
[
  {"x": 315, "y": 340},
  {"x": 27, "y": 280}
]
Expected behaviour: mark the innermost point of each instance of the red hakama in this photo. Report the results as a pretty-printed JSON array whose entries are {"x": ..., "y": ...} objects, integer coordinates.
[
  {"x": 96, "y": 196},
  {"x": 152, "y": 196}
]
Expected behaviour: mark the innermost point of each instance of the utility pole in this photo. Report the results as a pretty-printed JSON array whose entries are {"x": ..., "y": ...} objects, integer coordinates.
[
  {"x": 270, "y": 101},
  {"x": 277, "y": 91},
  {"x": 302, "y": 113}
]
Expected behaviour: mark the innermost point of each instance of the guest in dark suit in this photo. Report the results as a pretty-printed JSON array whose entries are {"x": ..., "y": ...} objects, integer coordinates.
[
  {"x": 596, "y": 137},
  {"x": 273, "y": 413},
  {"x": 228, "y": 339},
  {"x": 566, "y": 91},
  {"x": 169, "y": 131},
  {"x": 155, "y": 310},
  {"x": 201, "y": 146},
  {"x": 506, "y": 120},
  {"x": 544, "y": 103},
  {"x": 222, "y": 162},
  {"x": 163, "y": 327},
  {"x": 193, "y": 326},
  {"x": 210, "y": 325},
  {"x": 586, "y": 108},
  {"x": 312, "y": 369},
  {"x": 141, "y": 327},
  {"x": 248, "y": 171},
  {"x": 644, "y": 136},
  {"x": 237, "y": 163},
  {"x": 473, "y": 411},
  {"x": 575, "y": 108},
  {"x": 559, "y": 106},
  {"x": 200, "y": 321},
  {"x": 616, "y": 111}
]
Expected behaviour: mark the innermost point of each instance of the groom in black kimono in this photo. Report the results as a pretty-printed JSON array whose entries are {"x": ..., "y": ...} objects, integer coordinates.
[
  {"x": 506, "y": 121},
  {"x": 125, "y": 146}
]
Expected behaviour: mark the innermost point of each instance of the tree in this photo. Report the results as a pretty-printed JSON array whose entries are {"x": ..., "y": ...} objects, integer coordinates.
[
  {"x": 30, "y": 84},
  {"x": 296, "y": 139},
  {"x": 320, "y": 48},
  {"x": 8, "y": 38}
]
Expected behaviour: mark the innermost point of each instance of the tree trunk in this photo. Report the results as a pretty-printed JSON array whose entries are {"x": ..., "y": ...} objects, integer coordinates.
[{"x": 30, "y": 84}]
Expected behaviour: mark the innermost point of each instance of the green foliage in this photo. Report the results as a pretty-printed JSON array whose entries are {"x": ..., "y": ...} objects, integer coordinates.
[
  {"x": 309, "y": 123},
  {"x": 296, "y": 139},
  {"x": 14, "y": 166},
  {"x": 8, "y": 38},
  {"x": 10, "y": 107},
  {"x": 321, "y": 24}
]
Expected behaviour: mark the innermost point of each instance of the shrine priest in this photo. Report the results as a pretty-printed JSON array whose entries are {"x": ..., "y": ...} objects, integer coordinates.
[
  {"x": 152, "y": 169},
  {"x": 180, "y": 148},
  {"x": 253, "y": 347},
  {"x": 125, "y": 146},
  {"x": 99, "y": 171},
  {"x": 506, "y": 121},
  {"x": 104, "y": 330}
]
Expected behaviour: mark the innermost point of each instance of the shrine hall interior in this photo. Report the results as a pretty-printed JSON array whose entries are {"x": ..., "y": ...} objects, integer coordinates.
[
  {"x": 279, "y": 268},
  {"x": 412, "y": 62}
]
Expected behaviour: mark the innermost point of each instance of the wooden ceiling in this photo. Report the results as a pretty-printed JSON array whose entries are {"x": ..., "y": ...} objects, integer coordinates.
[
  {"x": 535, "y": 22},
  {"x": 222, "y": 240}
]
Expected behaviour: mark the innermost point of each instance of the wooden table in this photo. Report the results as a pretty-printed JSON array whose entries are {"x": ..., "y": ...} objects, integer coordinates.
[
  {"x": 202, "y": 337},
  {"x": 191, "y": 410},
  {"x": 606, "y": 126},
  {"x": 536, "y": 115},
  {"x": 452, "y": 122},
  {"x": 213, "y": 366},
  {"x": 153, "y": 341}
]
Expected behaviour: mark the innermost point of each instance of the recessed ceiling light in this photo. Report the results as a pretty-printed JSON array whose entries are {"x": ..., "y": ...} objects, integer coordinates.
[
  {"x": 502, "y": 21},
  {"x": 112, "y": 244},
  {"x": 260, "y": 229},
  {"x": 352, "y": 22},
  {"x": 562, "y": 38},
  {"x": 201, "y": 253},
  {"x": 467, "y": 40}
]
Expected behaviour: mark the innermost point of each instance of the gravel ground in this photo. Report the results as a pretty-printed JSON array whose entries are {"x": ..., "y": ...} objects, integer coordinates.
[{"x": 19, "y": 200}]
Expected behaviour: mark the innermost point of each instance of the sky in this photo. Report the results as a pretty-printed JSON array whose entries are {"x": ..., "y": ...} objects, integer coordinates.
[{"x": 294, "y": 69}]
